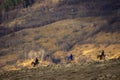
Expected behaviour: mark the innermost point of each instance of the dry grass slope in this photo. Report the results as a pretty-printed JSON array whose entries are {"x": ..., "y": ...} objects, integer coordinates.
[
  {"x": 73, "y": 26},
  {"x": 95, "y": 71},
  {"x": 80, "y": 36}
]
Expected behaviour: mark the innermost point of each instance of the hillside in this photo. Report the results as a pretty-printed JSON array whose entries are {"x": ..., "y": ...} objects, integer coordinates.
[
  {"x": 94, "y": 71},
  {"x": 46, "y": 12},
  {"x": 57, "y": 28}
]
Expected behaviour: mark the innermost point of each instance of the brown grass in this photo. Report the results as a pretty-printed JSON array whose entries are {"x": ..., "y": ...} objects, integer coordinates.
[{"x": 81, "y": 36}]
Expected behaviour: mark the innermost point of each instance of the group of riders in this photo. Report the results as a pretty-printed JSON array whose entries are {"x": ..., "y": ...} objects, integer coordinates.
[
  {"x": 36, "y": 61},
  {"x": 71, "y": 57}
]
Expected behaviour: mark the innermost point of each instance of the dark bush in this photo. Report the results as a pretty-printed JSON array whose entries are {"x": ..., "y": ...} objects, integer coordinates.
[
  {"x": 56, "y": 60},
  {"x": 12, "y": 4},
  {"x": 70, "y": 2}
]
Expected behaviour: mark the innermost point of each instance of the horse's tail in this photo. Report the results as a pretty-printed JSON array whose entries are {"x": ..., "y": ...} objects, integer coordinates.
[{"x": 32, "y": 63}]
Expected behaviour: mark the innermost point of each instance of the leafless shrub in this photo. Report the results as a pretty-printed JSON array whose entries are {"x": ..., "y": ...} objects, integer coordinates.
[
  {"x": 3, "y": 53},
  {"x": 107, "y": 44},
  {"x": 24, "y": 33},
  {"x": 37, "y": 37},
  {"x": 56, "y": 60},
  {"x": 97, "y": 45},
  {"x": 84, "y": 59},
  {"x": 33, "y": 54},
  {"x": 75, "y": 30},
  {"x": 14, "y": 42},
  {"x": 42, "y": 54},
  {"x": 69, "y": 2},
  {"x": 64, "y": 45},
  {"x": 11, "y": 62}
]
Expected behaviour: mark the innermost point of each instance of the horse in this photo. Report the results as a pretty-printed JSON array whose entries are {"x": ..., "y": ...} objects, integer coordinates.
[
  {"x": 101, "y": 56},
  {"x": 36, "y": 62},
  {"x": 69, "y": 58}
]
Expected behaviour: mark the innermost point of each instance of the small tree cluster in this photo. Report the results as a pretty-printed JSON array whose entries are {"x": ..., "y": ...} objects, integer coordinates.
[{"x": 7, "y": 5}]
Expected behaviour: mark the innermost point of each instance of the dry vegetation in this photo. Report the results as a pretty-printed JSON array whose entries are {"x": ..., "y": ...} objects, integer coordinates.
[
  {"x": 94, "y": 71},
  {"x": 56, "y": 28},
  {"x": 81, "y": 37},
  {"x": 46, "y": 12}
]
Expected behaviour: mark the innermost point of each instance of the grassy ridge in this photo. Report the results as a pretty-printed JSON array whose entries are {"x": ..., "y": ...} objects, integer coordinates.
[{"x": 94, "y": 71}]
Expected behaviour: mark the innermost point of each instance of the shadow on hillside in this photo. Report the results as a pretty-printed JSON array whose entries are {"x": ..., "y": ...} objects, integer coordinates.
[{"x": 113, "y": 25}]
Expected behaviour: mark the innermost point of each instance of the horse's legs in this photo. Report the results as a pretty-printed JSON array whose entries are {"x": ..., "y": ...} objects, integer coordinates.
[
  {"x": 104, "y": 57},
  {"x": 101, "y": 57},
  {"x": 34, "y": 64}
]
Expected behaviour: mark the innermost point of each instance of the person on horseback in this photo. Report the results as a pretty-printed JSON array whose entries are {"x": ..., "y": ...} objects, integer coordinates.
[
  {"x": 70, "y": 57},
  {"x": 36, "y": 62},
  {"x": 102, "y": 55}
]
